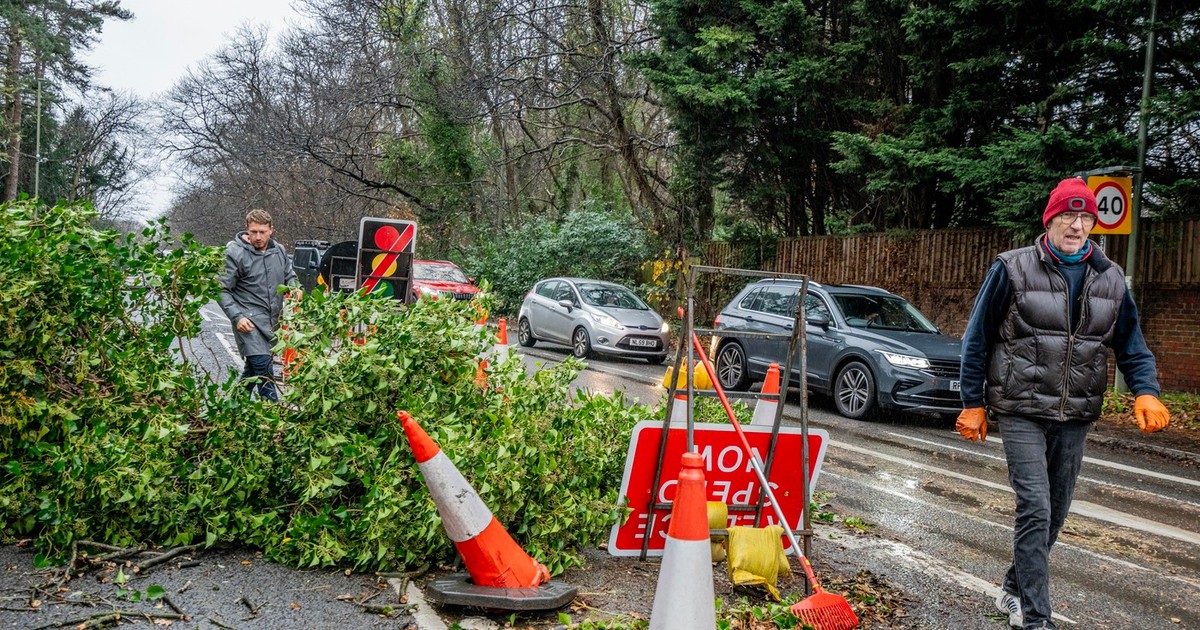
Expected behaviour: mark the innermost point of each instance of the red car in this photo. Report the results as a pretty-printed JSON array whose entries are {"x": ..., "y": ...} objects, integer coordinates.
[{"x": 441, "y": 278}]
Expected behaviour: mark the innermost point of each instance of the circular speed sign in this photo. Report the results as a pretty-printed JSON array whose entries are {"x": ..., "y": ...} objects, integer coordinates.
[{"x": 1112, "y": 203}]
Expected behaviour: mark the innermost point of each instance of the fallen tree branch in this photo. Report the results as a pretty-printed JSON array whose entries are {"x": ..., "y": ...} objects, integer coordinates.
[
  {"x": 171, "y": 604},
  {"x": 164, "y": 557},
  {"x": 119, "y": 554},
  {"x": 106, "y": 618},
  {"x": 219, "y": 624},
  {"x": 250, "y": 606},
  {"x": 100, "y": 545}
]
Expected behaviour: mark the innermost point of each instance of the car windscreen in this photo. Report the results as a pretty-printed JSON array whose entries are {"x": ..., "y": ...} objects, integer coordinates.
[
  {"x": 885, "y": 312},
  {"x": 439, "y": 273},
  {"x": 610, "y": 296}
]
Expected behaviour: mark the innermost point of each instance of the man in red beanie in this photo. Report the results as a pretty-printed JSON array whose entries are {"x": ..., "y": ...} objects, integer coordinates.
[{"x": 1035, "y": 357}]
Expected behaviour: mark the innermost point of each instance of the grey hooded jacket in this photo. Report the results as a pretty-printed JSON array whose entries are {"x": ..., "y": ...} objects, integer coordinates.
[
  {"x": 1042, "y": 366},
  {"x": 249, "y": 288}
]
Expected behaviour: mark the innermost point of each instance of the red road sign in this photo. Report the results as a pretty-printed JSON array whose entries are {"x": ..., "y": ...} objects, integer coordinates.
[
  {"x": 385, "y": 252},
  {"x": 727, "y": 474}
]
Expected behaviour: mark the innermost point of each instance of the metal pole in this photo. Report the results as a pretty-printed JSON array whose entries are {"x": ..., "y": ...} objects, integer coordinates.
[
  {"x": 37, "y": 142},
  {"x": 691, "y": 360},
  {"x": 1131, "y": 254}
]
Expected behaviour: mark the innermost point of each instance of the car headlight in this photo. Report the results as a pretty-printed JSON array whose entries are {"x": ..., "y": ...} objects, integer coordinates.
[
  {"x": 666, "y": 327},
  {"x": 429, "y": 291},
  {"x": 904, "y": 360},
  {"x": 608, "y": 320}
]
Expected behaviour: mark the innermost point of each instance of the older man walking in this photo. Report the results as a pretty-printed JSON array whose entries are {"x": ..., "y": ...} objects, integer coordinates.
[{"x": 1035, "y": 357}]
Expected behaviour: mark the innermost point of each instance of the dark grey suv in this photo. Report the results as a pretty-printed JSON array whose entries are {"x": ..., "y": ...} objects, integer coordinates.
[{"x": 867, "y": 348}]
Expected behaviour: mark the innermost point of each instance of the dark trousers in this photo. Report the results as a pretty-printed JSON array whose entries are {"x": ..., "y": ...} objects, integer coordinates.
[
  {"x": 1043, "y": 463},
  {"x": 258, "y": 375}
]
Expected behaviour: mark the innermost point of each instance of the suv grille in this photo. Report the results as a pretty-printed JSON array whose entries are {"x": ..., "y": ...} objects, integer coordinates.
[
  {"x": 944, "y": 369},
  {"x": 463, "y": 296}
]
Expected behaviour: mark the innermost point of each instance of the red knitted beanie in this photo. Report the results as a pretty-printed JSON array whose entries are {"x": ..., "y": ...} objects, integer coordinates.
[{"x": 1070, "y": 195}]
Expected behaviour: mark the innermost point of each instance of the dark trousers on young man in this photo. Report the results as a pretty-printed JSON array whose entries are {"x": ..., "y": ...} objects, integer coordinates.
[
  {"x": 1043, "y": 462},
  {"x": 258, "y": 374}
]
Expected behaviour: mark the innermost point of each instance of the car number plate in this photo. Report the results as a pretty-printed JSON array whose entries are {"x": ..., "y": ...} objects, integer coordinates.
[
  {"x": 955, "y": 386},
  {"x": 643, "y": 343}
]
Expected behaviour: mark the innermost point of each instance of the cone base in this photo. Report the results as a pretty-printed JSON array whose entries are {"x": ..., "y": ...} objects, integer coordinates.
[
  {"x": 458, "y": 590},
  {"x": 495, "y": 560}
]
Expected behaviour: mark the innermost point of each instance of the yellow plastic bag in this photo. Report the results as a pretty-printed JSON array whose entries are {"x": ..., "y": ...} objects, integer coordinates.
[
  {"x": 755, "y": 557},
  {"x": 718, "y": 518},
  {"x": 700, "y": 379}
]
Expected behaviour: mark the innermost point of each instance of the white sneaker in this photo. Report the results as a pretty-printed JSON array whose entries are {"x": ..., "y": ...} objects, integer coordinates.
[{"x": 1008, "y": 604}]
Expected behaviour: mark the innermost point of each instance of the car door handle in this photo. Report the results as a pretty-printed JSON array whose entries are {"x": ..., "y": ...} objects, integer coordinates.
[
  {"x": 749, "y": 318},
  {"x": 788, "y": 326}
]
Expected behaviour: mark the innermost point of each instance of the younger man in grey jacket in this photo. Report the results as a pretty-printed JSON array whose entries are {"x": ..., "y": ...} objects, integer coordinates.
[{"x": 255, "y": 266}]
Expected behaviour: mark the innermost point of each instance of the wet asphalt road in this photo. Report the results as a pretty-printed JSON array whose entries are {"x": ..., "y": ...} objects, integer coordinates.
[{"x": 940, "y": 512}]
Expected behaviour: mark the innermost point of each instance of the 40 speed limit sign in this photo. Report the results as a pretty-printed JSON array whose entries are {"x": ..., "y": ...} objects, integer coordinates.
[{"x": 1113, "y": 203}]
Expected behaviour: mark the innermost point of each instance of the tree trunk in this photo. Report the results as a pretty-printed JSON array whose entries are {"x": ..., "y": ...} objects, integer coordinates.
[{"x": 12, "y": 112}]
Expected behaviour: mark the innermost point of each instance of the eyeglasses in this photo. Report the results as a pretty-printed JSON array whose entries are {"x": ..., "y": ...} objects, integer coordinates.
[{"x": 1069, "y": 218}]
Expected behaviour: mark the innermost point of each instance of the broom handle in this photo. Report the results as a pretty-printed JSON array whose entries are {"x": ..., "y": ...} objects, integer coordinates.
[{"x": 757, "y": 465}]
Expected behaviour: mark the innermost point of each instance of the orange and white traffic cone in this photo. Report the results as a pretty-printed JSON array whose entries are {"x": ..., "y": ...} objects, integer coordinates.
[
  {"x": 679, "y": 409},
  {"x": 481, "y": 374},
  {"x": 684, "y": 598},
  {"x": 764, "y": 409},
  {"x": 490, "y": 554},
  {"x": 502, "y": 341}
]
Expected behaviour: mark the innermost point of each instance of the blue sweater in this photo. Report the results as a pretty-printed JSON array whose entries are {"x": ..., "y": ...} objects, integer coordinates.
[{"x": 1134, "y": 358}]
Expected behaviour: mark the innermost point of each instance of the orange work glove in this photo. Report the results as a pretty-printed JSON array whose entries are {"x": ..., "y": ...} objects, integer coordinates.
[
  {"x": 972, "y": 424},
  {"x": 1150, "y": 414}
]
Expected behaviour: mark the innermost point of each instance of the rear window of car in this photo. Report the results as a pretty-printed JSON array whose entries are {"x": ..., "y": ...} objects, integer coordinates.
[{"x": 439, "y": 272}]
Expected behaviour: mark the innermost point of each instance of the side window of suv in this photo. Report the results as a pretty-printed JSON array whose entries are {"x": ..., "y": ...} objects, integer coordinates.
[
  {"x": 750, "y": 302},
  {"x": 814, "y": 306},
  {"x": 778, "y": 301}
]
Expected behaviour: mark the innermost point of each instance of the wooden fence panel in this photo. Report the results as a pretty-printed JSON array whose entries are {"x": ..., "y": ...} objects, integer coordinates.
[{"x": 1169, "y": 254}]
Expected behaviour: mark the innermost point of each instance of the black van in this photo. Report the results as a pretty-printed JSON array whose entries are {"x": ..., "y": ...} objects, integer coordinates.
[{"x": 306, "y": 260}]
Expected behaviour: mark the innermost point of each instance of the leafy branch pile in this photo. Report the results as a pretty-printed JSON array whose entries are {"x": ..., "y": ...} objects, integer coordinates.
[{"x": 108, "y": 432}]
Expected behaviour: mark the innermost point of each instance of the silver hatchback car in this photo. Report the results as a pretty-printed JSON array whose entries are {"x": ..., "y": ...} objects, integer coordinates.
[{"x": 592, "y": 316}]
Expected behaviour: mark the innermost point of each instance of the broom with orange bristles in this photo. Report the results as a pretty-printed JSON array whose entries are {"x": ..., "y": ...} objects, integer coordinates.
[{"x": 822, "y": 609}]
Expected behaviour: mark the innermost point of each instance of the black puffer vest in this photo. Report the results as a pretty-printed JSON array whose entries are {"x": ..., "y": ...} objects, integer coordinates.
[{"x": 1040, "y": 368}]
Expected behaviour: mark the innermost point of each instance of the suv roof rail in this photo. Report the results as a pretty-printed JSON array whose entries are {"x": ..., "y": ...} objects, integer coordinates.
[
  {"x": 811, "y": 283},
  {"x": 312, "y": 242},
  {"x": 863, "y": 286}
]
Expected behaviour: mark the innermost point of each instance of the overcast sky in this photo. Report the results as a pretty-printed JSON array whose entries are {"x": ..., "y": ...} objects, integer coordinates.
[{"x": 147, "y": 54}]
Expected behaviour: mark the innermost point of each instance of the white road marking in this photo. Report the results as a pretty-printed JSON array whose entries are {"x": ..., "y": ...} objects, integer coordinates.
[
  {"x": 1082, "y": 508},
  {"x": 925, "y": 563},
  {"x": 978, "y": 519},
  {"x": 237, "y": 358},
  {"x": 1131, "y": 469},
  {"x": 1081, "y": 477},
  {"x": 423, "y": 614}
]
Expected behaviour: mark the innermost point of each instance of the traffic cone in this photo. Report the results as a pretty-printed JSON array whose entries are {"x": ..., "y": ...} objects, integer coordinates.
[
  {"x": 502, "y": 341},
  {"x": 700, "y": 380},
  {"x": 481, "y": 374},
  {"x": 684, "y": 598},
  {"x": 491, "y": 556},
  {"x": 764, "y": 409}
]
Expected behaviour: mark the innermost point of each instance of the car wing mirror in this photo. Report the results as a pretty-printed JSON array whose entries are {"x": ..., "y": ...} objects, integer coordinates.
[
  {"x": 566, "y": 304},
  {"x": 818, "y": 320}
]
